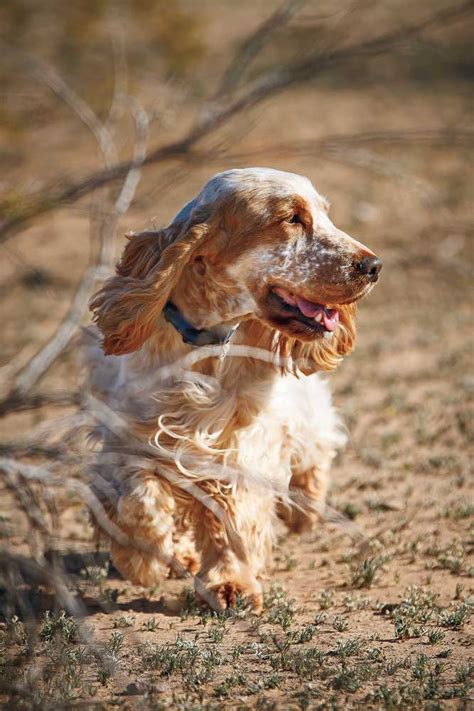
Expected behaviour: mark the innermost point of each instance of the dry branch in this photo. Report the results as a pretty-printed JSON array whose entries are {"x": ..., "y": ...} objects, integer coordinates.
[
  {"x": 42, "y": 361},
  {"x": 38, "y": 366},
  {"x": 266, "y": 86},
  {"x": 19, "y": 402},
  {"x": 253, "y": 44},
  {"x": 340, "y": 142},
  {"x": 49, "y": 77}
]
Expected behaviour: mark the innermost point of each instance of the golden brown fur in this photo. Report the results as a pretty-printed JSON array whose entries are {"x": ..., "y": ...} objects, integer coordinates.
[{"x": 211, "y": 495}]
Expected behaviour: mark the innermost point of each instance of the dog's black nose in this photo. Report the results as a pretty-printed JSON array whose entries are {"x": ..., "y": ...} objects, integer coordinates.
[{"x": 370, "y": 266}]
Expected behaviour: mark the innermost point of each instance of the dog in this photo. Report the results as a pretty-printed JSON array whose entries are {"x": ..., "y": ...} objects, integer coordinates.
[{"x": 214, "y": 330}]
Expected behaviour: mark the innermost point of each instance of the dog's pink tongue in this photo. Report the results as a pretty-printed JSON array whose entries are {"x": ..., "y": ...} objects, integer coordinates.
[
  {"x": 330, "y": 319},
  {"x": 307, "y": 307}
]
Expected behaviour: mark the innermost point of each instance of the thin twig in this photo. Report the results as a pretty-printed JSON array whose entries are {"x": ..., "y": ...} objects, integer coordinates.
[
  {"x": 50, "y": 78},
  {"x": 48, "y": 354},
  {"x": 253, "y": 44},
  {"x": 43, "y": 360},
  {"x": 139, "y": 155},
  {"x": 340, "y": 142},
  {"x": 20, "y": 402},
  {"x": 120, "y": 91}
]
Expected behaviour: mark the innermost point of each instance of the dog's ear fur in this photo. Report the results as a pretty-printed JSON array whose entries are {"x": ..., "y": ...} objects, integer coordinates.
[{"x": 127, "y": 307}]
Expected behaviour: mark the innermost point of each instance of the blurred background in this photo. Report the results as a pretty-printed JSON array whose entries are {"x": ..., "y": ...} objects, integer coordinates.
[{"x": 371, "y": 100}]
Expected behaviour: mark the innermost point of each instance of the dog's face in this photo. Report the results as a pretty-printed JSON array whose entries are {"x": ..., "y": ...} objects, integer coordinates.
[
  {"x": 256, "y": 244},
  {"x": 275, "y": 255}
]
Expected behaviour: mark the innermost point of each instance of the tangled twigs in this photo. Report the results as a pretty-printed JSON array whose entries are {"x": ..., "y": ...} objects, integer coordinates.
[
  {"x": 67, "y": 329},
  {"x": 18, "y": 401}
]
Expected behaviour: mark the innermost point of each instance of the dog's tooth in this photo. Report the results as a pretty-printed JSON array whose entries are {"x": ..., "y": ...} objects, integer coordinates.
[
  {"x": 328, "y": 335},
  {"x": 318, "y": 317}
]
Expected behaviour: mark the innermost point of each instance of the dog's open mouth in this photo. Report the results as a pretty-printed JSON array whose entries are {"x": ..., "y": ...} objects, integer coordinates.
[{"x": 317, "y": 316}]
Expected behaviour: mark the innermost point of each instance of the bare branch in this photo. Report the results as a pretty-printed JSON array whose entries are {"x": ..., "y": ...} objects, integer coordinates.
[
  {"x": 50, "y": 78},
  {"x": 253, "y": 44},
  {"x": 271, "y": 83},
  {"x": 20, "y": 402},
  {"x": 341, "y": 141},
  {"x": 120, "y": 92},
  {"x": 32, "y": 449},
  {"x": 25, "y": 570},
  {"x": 38, "y": 366},
  {"x": 43, "y": 360},
  {"x": 139, "y": 155}
]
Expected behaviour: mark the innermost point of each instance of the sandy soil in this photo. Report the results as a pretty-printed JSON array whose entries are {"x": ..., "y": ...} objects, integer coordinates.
[{"x": 383, "y": 624}]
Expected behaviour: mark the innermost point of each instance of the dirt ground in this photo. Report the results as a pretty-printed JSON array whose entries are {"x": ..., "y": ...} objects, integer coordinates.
[{"x": 370, "y": 613}]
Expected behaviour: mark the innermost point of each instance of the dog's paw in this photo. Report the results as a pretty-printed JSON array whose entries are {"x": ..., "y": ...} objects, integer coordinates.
[
  {"x": 226, "y": 594},
  {"x": 301, "y": 522},
  {"x": 298, "y": 521},
  {"x": 138, "y": 567},
  {"x": 184, "y": 566}
]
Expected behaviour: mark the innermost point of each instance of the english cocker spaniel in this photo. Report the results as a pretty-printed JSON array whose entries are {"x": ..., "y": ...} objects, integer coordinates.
[{"x": 214, "y": 331}]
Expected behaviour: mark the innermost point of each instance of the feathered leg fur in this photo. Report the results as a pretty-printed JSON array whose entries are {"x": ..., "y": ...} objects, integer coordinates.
[
  {"x": 144, "y": 513},
  {"x": 234, "y": 555},
  {"x": 308, "y": 490}
]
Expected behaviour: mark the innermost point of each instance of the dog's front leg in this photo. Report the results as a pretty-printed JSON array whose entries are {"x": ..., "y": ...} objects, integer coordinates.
[
  {"x": 308, "y": 489},
  {"x": 144, "y": 513},
  {"x": 234, "y": 537}
]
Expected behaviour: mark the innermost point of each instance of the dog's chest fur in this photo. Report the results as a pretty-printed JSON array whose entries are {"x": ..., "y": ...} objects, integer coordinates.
[
  {"x": 295, "y": 426},
  {"x": 229, "y": 423}
]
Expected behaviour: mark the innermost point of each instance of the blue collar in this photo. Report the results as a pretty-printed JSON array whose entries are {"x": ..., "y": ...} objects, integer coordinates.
[{"x": 194, "y": 336}]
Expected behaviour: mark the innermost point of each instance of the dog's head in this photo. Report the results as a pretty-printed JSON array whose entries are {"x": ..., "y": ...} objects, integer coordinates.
[{"x": 255, "y": 243}]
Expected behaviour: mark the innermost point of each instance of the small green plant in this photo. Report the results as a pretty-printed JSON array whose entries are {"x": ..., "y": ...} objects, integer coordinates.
[
  {"x": 306, "y": 634},
  {"x": 320, "y": 618},
  {"x": 150, "y": 625},
  {"x": 455, "y": 618},
  {"x": 59, "y": 626},
  {"x": 451, "y": 557},
  {"x": 115, "y": 643},
  {"x": 464, "y": 673},
  {"x": 194, "y": 661},
  {"x": 279, "y": 609},
  {"x": 351, "y": 511},
  {"x": 190, "y": 607},
  {"x": 355, "y": 602},
  {"x": 435, "y": 636},
  {"x": 349, "y": 678},
  {"x": 103, "y": 674},
  {"x": 375, "y": 654},
  {"x": 216, "y": 632},
  {"x": 347, "y": 648},
  {"x": 413, "y": 613},
  {"x": 363, "y": 576},
  {"x": 340, "y": 623},
  {"x": 420, "y": 667},
  {"x": 123, "y": 622},
  {"x": 229, "y": 683},
  {"x": 326, "y": 599},
  {"x": 290, "y": 562},
  {"x": 459, "y": 510}
]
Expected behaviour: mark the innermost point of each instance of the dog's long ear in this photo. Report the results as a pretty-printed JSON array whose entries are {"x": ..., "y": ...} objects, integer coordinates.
[{"x": 128, "y": 305}]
